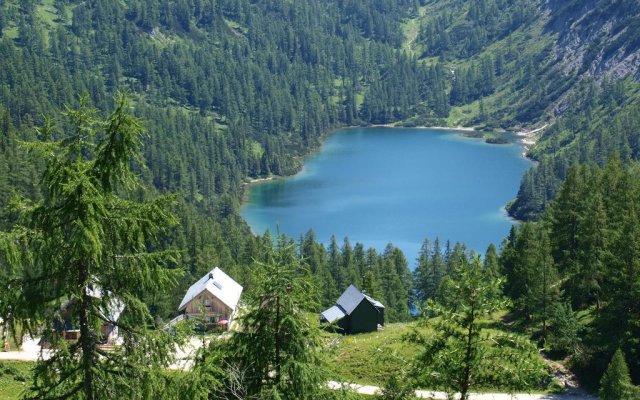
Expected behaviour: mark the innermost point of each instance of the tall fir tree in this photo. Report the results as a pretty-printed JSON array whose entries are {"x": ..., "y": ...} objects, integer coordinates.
[
  {"x": 278, "y": 349},
  {"x": 616, "y": 382},
  {"x": 86, "y": 250}
]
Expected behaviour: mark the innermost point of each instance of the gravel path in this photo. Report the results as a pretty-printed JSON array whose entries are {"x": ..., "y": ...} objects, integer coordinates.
[
  {"x": 427, "y": 394},
  {"x": 30, "y": 351}
]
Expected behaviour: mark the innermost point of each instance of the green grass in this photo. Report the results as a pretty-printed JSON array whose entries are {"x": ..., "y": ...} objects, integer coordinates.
[
  {"x": 367, "y": 358},
  {"x": 459, "y": 116},
  {"x": 359, "y": 98},
  {"x": 411, "y": 29},
  {"x": 47, "y": 13},
  {"x": 15, "y": 377}
]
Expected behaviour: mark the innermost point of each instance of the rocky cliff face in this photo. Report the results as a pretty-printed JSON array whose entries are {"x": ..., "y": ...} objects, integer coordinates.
[{"x": 596, "y": 37}]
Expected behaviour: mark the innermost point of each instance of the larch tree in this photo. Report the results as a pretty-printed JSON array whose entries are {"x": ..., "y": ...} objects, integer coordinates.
[
  {"x": 536, "y": 285},
  {"x": 87, "y": 250},
  {"x": 278, "y": 348},
  {"x": 616, "y": 382},
  {"x": 458, "y": 356},
  {"x": 423, "y": 281}
]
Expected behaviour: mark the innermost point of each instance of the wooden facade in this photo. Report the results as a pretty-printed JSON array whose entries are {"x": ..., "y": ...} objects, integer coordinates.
[
  {"x": 212, "y": 301},
  {"x": 209, "y": 307}
]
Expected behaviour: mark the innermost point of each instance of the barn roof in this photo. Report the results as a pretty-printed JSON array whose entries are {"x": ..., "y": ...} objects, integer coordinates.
[
  {"x": 333, "y": 314},
  {"x": 348, "y": 302},
  {"x": 219, "y": 285}
]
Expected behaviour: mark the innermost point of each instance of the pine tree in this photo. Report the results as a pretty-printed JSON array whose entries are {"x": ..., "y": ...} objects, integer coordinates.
[
  {"x": 278, "y": 349},
  {"x": 421, "y": 273},
  {"x": 86, "y": 248},
  {"x": 616, "y": 382},
  {"x": 534, "y": 280},
  {"x": 458, "y": 356}
]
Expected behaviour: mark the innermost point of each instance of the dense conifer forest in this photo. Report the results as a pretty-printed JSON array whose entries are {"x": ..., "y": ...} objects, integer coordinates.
[{"x": 230, "y": 90}]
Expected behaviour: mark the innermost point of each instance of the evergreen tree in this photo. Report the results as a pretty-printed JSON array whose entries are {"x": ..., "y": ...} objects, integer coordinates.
[
  {"x": 459, "y": 356},
  {"x": 430, "y": 270},
  {"x": 616, "y": 382},
  {"x": 565, "y": 332},
  {"x": 278, "y": 348},
  {"x": 534, "y": 282},
  {"x": 87, "y": 248},
  {"x": 423, "y": 284},
  {"x": 491, "y": 261},
  {"x": 352, "y": 273}
]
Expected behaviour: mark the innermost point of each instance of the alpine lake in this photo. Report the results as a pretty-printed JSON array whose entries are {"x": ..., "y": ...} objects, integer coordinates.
[{"x": 395, "y": 185}]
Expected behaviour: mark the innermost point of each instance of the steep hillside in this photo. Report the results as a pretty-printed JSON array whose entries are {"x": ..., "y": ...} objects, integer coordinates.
[
  {"x": 540, "y": 51},
  {"x": 598, "y": 43},
  {"x": 237, "y": 89},
  {"x": 570, "y": 65},
  {"x": 228, "y": 89},
  {"x": 598, "y": 37}
]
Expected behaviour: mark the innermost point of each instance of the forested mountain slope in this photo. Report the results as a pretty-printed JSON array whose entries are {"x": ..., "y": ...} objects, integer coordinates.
[
  {"x": 264, "y": 80},
  {"x": 232, "y": 89},
  {"x": 571, "y": 64},
  {"x": 238, "y": 89},
  {"x": 228, "y": 89}
]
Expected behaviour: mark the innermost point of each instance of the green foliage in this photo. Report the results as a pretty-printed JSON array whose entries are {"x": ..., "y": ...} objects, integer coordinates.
[
  {"x": 532, "y": 279},
  {"x": 396, "y": 387},
  {"x": 385, "y": 277},
  {"x": 430, "y": 270},
  {"x": 599, "y": 123},
  {"x": 368, "y": 358},
  {"x": 616, "y": 382},
  {"x": 591, "y": 231},
  {"x": 211, "y": 375},
  {"x": 278, "y": 348},
  {"x": 86, "y": 250},
  {"x": 565, "y": 336},
  {"x": 14, "y": 378},
  {"x": 233, "y": 89},
  {"x": 460, "y": 356}
]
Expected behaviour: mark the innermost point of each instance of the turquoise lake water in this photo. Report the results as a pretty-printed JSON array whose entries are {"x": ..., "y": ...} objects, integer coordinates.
[{"x": 398, "y": 185}]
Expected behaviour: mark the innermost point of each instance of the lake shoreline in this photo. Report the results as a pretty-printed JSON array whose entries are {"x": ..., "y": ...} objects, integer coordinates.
[
  {"x": 249, "y": 181},
  {"x": 345, "y": 189},
  {"x": 526, "y": 139}
]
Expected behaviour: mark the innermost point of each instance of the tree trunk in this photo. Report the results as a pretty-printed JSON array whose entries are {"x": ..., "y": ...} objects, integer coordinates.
[
  {"x": 466, "y": 379},
  {"x": 86, "y": 337},
  {"x": 5, "y": 334},
  {"x": 277, "y": 332}
]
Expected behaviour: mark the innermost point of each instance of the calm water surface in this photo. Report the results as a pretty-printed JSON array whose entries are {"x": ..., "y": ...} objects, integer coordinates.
[{"x": 398, "y": 185}]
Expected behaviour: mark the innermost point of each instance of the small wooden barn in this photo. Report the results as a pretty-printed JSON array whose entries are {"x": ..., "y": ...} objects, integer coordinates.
[
  {"x": 213, "y": 299},
  {"x": 355, "y": 312}
]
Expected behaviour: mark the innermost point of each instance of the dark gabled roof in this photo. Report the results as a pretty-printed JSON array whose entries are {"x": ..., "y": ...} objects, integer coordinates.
[
  {"x": 348, "y": 302},
  {"x": 333, "y": 314}
]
